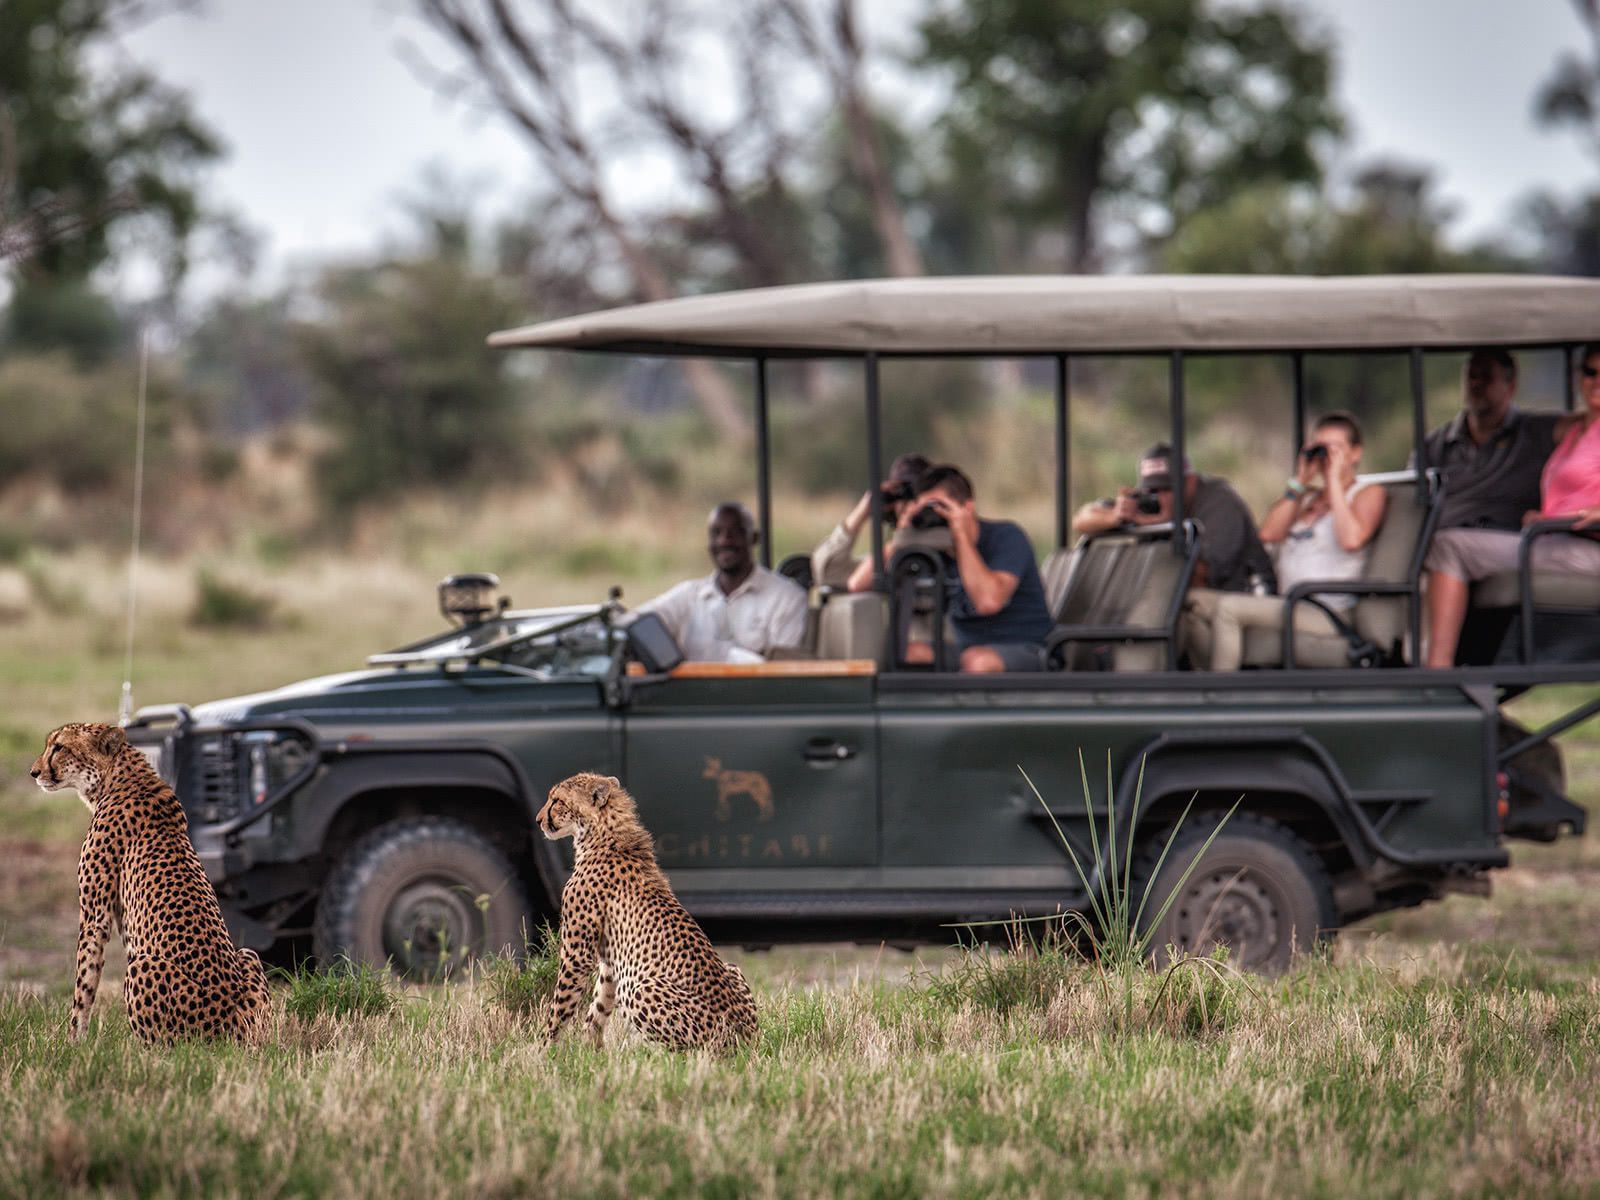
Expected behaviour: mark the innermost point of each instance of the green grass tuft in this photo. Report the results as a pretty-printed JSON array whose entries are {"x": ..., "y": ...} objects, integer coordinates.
[
  {"x": 345, "y": 989},
  {"x": 523, "y": 984}
]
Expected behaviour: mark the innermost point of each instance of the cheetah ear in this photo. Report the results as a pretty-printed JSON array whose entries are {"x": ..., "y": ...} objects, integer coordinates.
[
  {"x": 603, "y": 790},
  {"x": 108, "y": 739}
]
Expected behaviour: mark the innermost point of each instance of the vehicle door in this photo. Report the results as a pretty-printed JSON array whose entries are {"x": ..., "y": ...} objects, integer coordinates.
[{"x": 760, "y": 780}]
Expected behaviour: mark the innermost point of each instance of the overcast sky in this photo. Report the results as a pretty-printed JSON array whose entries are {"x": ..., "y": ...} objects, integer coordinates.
[{"x": 327, "y": 126}]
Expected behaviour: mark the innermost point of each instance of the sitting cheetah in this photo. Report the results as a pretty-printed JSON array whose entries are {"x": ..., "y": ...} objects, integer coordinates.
[
  {"x": 656, "y": 965},
  {"x": 138, "y": 866}
]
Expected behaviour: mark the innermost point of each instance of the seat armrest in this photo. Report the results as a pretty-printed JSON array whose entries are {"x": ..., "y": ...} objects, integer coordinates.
[
  {"x": 1302, "y": 593},
  {"x": 1531, "y": 532}
]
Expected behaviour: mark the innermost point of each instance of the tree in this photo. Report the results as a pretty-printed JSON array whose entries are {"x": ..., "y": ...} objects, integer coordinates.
[
  {"x": 406, "y": 384},
  {"x": 1158, "y": 109},
  {"x": 1390, "y": 220},
  {"x": 588, "y": 87},
  {"x": 86, "y": 147},
  {"x": 1569, "y": 231}
]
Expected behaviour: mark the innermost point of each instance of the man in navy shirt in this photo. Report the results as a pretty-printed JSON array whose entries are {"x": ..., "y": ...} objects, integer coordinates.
[{"x": 998, "y": 610}]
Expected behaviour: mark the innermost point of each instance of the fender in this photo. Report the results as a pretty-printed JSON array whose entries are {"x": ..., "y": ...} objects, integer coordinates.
[
  {"x": 1181, "y": 771},
  {"x": 352, "y": 769},
  {"x": 1280, "y": 760}
]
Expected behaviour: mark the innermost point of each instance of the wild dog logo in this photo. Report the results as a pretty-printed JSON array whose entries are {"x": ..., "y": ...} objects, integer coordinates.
[{"x": 739, "y": 783}]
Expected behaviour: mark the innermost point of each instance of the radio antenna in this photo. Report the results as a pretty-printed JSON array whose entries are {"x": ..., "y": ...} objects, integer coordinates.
[{"x": 125, "y": 710}]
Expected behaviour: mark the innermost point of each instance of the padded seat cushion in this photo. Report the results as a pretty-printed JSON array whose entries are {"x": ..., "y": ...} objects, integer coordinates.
[{"x": 1550, "y": 590}]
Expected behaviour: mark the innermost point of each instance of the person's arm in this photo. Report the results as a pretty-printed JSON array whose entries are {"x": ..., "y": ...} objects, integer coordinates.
[
  {"x": 989, "y": 589},
  {"x": 1098, "y": 516},
  {"x": 1279, "y": 519},
  {"x": 861, "y": 578},
  {"x": 788, "y": 624},
  {"x": 1354, "y": 522},
  {"x": 840, "y": 545},
  {"x": 670, "y": 607}
]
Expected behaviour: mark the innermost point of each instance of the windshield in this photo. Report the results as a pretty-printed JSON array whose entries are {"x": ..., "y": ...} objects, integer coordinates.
[{"x": 554, "y": 641}]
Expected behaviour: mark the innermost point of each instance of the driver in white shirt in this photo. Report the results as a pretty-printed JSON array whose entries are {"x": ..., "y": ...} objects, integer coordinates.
[{"x": 739, "y": 612}]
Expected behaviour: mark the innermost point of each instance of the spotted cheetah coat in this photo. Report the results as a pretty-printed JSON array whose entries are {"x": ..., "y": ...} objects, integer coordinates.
[
  {"x": 139, "y": 869},
  {"x": 621, "y": 923}
]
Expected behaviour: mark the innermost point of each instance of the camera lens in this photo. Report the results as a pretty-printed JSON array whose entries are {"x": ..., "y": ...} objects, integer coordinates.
[{"x": 928, "y": 518}]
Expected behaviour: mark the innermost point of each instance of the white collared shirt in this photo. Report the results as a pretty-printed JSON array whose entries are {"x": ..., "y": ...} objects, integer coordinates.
[{"x": 764, "y": 611}]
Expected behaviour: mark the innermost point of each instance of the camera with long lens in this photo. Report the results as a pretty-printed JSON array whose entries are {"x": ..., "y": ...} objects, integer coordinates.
[
  {"x": 928, "y": 518},
  {"x": 1147, "y": 501}
]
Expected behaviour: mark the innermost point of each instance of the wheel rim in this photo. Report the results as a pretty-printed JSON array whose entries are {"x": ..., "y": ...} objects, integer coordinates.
[
  {"x": 1231, "y": 906},
  {"x": 430, "y": 926}
]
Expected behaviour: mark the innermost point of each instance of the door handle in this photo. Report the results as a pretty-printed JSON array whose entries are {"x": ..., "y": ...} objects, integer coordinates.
[{"x": 825, "y": 751}]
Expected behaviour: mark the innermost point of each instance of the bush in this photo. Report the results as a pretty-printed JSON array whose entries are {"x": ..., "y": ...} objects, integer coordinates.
[{"x": 223, "y": 605}]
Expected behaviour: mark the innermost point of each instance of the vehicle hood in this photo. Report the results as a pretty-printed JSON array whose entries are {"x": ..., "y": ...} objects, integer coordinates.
[{"x": 402, "y": 695}]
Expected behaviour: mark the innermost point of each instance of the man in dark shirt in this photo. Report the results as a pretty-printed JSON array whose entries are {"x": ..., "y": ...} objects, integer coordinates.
[
  {"x": 998, "y": 609},
  {"x": 1232, "y": 558},
  {"x": 1491, "y": 453}
]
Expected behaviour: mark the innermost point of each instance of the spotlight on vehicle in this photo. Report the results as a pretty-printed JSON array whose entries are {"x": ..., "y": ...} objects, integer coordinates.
[{"x": 469, "y": 598}]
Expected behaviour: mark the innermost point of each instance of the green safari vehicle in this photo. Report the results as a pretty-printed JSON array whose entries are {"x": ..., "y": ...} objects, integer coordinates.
[{"x": 844, "y": 792}]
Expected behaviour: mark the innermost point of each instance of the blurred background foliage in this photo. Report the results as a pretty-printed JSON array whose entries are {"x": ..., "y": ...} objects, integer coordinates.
[{"x": 1067, "y": 135}]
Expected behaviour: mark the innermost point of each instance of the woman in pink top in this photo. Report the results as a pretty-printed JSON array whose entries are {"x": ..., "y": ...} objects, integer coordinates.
[{"x": 1570, "y": 487}]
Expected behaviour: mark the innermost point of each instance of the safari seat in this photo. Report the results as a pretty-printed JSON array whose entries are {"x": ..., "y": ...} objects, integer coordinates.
[
  {"x": 852, "y": 625},
  {"x": 1558, "y": 621},
  {"x": 1578, "y": 593},
  {"x": 1381, "y": 628},
  {"x": 1119, "y": 601}
]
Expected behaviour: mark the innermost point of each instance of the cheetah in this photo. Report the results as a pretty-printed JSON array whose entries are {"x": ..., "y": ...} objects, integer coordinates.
[
  {"x": 139, "y": 868},
  {"x": 618, "y": 914}
]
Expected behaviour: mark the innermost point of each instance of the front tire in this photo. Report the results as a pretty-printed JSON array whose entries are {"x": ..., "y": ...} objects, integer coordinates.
[
  {"x": 425, "y": 895},
  {"x": 1259, "y": 891}
]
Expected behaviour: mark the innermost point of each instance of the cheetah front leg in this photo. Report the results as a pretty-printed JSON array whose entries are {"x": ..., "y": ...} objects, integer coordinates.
[
  {"x": 605, "y": 999},
  {"x": 94, "y": 927},
  {"x": 98, "y": 868},
  {"x": 578, "y": 953}
]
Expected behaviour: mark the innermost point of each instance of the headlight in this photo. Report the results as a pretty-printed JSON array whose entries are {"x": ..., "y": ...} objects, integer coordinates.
[{"x": 235, "y": 773}]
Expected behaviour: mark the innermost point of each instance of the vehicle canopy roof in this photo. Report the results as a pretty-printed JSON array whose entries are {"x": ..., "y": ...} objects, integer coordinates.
[{"x": 1004, "y": 315}]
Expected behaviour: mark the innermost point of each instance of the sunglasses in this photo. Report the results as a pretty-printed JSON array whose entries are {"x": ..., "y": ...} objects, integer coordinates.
[{"x": 1590, "y": 372}]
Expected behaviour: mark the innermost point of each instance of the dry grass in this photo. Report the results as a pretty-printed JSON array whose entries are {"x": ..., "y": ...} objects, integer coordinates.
[
  {"x": 1341, "y": 1080},
  {"x": 1454, "y": 1049}
]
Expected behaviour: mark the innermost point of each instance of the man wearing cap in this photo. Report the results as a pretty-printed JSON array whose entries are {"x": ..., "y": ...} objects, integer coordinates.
[{"x": 1232, "y": 558}]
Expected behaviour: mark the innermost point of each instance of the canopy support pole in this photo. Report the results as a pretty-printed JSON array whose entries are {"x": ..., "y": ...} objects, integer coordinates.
[
  {"x": 1297, "y": 361},
  {"x": 763, "y": 463},
  {"x": 1419, "y": 419},
  {"x": 875, "y": 472},
  {"x": 1063, "y": 450},
  {"x": 1175, "y": 468},
  {"x": 1570, "y": 392}
]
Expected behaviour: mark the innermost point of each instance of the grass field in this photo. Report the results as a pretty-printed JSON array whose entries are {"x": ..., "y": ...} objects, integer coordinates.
[{"x": 1449, "y": 1050}]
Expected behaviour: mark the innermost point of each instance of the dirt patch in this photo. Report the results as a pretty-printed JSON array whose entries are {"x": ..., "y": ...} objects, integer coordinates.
[{"x": 39, "y": 916}]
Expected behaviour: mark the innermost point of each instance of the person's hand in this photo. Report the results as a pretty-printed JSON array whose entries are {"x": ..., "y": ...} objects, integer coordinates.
[
  {"x": 1309, "y": 471},
  {"x": 963, "y": 522},
  {"x": 1587, "y": 518},
  {"x": 1338, "y": 459},
  {"x": 1529, "y": 517},
  {"x": 1127, "y": 508}
]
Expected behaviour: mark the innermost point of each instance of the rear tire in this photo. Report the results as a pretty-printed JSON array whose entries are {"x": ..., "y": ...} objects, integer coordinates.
[
  {"x": 1260, "y": 891},
  {"x": 425, "y": 895}
]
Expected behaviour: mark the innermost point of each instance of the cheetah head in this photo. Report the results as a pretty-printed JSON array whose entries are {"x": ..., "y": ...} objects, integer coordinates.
[
  {"x": 581, "y": 803},
  {"x": 78, "y": 756}
]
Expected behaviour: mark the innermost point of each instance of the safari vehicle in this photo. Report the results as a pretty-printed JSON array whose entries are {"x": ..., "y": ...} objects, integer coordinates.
[{"x": 844, "y": 792}]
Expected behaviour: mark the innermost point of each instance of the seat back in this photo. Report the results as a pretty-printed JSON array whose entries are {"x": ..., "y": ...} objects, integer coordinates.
[
  {"x": 852, "y": 625},
  {"x": 1395, "y": 557},
  {"x": 1129, "y": 578},
  {"x": 1055, "y": 572}
]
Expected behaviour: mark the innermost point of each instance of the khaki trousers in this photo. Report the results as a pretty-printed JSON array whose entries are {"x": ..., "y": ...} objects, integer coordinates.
[{"x": 1211, "y": 630}]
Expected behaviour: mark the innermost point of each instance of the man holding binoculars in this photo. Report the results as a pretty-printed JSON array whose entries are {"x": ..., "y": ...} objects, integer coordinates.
[{"x": 1232, "y": 558}]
